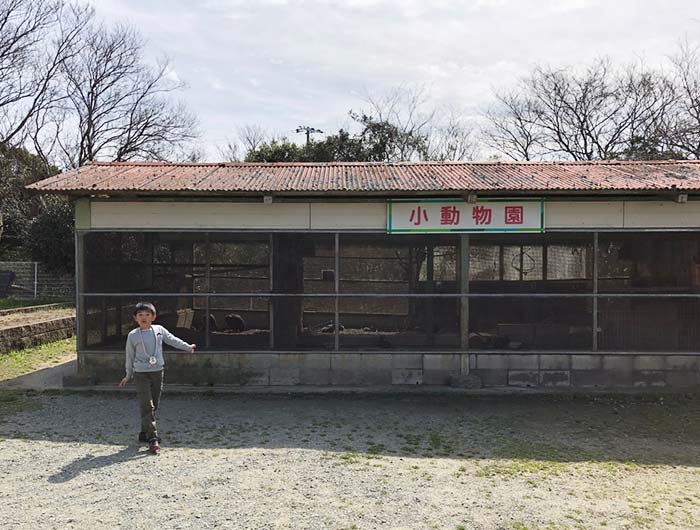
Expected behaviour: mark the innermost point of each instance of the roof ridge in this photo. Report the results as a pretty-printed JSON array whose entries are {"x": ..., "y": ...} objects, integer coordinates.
[{"x": 401, "y": 163}]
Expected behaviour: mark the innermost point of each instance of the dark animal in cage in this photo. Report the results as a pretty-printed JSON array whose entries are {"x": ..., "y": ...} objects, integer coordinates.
[
  {"x": 235, "y": 322},
  {"x": 490, "y": 341},
  {"x": 200, "y": 323}
]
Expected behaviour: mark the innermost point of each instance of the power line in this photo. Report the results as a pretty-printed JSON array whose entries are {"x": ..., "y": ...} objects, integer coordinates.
[{"x": 309, "y": 131}]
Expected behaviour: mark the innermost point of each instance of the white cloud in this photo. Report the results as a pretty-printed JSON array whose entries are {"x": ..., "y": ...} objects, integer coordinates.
[
  {"x": 276, "y": 62},
  {"x": 570, "y": 5},
  {"x": 171, "y": 75}
]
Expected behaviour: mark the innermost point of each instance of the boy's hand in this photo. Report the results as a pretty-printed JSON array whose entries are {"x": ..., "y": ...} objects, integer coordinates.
[
  {"x": 192, "y": 348},
  {"x": 123, "y": 382}
]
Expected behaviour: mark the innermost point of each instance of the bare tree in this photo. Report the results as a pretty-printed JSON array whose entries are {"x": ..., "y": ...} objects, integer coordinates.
[
  {"x": 650, "y": 99},
  {"x": 683, "y": 123},
  {"x": 253, "y": 136},
  {"x": 512, "y": 128},
  {"x": 452, "y": 139},
  {"x": 229, "y": 152},
  {"x": 190, "y": 154},
  {"x": 577, "y": 112},
  {"x": 249, "y": 138},
  {"x": 115, "y": 106},
  {"x": 600, "y": 113},
  {"x": 37, "y": 37},
  {"x": 404, "y": 115}
]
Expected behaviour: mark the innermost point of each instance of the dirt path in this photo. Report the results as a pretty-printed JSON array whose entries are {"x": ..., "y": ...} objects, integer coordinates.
[
  {"x": 346, "y": 462},
  {"x": 20, "y": 319}
]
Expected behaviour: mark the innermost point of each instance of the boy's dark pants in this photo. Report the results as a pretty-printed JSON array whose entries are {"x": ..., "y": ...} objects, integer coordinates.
[{"x": 149, "y": 386}]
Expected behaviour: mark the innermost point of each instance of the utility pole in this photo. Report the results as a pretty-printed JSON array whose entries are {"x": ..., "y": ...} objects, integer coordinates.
[{"x": 309, "y": 131}]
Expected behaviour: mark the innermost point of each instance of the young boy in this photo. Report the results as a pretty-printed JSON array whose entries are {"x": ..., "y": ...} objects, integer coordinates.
[{"x": 144, "y": 363}]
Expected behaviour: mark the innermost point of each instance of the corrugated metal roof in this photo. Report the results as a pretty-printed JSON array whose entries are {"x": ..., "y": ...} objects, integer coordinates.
[{"x": 398, "y": 178}]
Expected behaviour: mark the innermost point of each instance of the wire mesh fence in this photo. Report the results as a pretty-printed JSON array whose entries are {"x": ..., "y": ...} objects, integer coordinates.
[{"x": 32, "y": 281}]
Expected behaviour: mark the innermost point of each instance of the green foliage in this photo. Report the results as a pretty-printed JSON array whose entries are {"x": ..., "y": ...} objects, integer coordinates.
[
  {"x": 341, "y": 147},
  {"x": 276, "y": 151},
  {"x": 35, "y": 227},
  {"x": 15, "y": 401},
  {"x": 378, "y": 141},
  {"x": 18, "y": 206},
  {"x": 650, "y": 147},
  {"x": 386, "y": 142},
  {"x": 51, "y": 236},
  {"x": 13, "y": 303}
]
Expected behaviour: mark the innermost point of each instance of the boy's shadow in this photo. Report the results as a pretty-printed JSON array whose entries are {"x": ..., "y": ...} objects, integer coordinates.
[{"x": 88, "y": 462}]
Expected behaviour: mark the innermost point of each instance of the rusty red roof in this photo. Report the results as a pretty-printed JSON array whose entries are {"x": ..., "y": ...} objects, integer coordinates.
[{"x": 149, "y": 178}]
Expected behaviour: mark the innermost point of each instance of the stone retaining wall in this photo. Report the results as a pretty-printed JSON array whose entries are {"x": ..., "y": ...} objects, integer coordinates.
[
  {"x": 557, "y": 371},
  {"x": 30, "y": 335},
  {"x": 31, "y": 309}
]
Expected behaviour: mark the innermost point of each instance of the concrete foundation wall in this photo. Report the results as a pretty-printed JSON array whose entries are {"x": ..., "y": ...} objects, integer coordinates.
[
  {"x": 276, "y": 369},
  {"x": 677, "y": 372}
]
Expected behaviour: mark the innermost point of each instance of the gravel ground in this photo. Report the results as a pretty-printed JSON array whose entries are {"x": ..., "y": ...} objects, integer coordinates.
[
  {"x": 22, "y": 319},
  {"x": 351, "y": 462}
]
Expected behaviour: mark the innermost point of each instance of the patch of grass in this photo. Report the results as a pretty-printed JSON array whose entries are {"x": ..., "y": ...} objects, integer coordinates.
[
  {"x": 519, "y": 525},
  {"x": 353, "y": 457},
  {"x": 441, "y": 443},
  {"x": 376, "y": 449},
  {"x": 20, "y": 362},
  {"x": 411, "y": 439},
  {"x": 516, "y": 468},
  {"x": 436, "y": 440},
  {"x": 411, "y": 443},
  {"x": 622, "y": 467},
  {"x": 536, "y": 450},
  {"x": 348, "y": 458},
  {"x": 14, "y": 401},
  {"x": 461, "y": 471},
  {"x": 11, "y": 303}
]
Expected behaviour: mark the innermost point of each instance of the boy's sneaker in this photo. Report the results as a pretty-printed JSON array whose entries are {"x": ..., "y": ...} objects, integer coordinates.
[
  {"x": 144, "y": 439},
  {"x": 154, "y": 446}
]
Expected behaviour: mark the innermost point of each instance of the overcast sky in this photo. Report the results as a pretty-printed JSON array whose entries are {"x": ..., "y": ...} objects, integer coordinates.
[{"x": 284, "y": 63}]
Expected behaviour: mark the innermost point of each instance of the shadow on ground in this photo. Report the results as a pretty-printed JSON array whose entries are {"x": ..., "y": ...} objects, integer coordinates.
[
  {"x": 90, "y": 462},
  {"x": 633, "y": 430}
]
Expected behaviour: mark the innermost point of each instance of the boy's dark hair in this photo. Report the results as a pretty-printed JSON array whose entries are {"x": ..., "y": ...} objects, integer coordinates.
[{"x": 144, "y": 306}]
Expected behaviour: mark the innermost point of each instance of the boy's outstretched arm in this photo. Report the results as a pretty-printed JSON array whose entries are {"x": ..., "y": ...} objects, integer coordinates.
[{"x": 175, "y": 342}]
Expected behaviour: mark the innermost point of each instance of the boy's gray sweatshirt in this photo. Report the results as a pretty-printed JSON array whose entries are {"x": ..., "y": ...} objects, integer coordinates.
[{"x": 141, "y": 345}]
